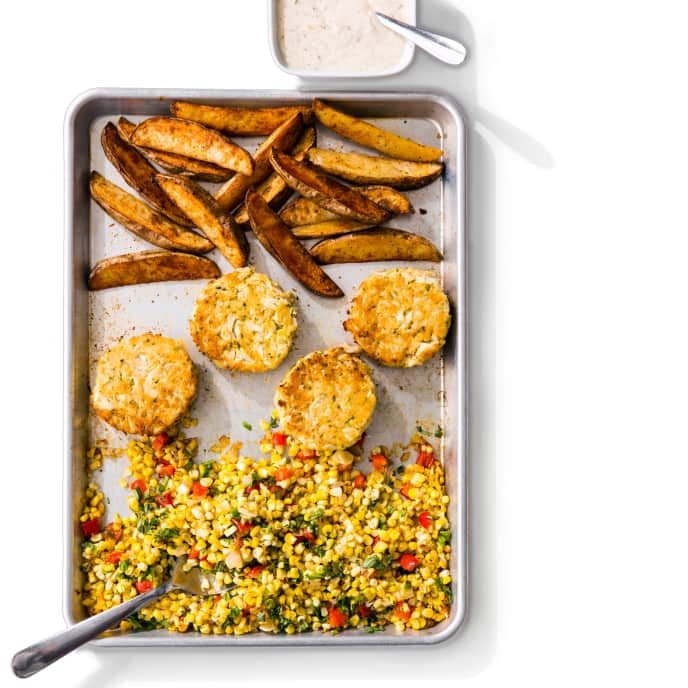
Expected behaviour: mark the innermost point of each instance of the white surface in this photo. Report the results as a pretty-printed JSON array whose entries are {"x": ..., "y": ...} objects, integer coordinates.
[{"x": 578, "y": 251}]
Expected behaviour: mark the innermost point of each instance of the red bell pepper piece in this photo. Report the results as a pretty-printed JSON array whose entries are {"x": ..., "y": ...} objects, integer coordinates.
[
  {"x": 337, "y": 618},
  {"x": 140, "y": 484},
  {"x": 425, "y": 459},
  {"x": 161, "y": 440},
  {"x": 279, "y": 439},
  {"x": 199, "y": 490},
  {"x": 165, "y": 499},
  {"x": 113, "y": 557},
  {"x": 403, "y": 610},
  {"x": 90, "y": 527},
  {"x": 282, "y": 473},
  {"x": 243, "y": 527},
  {"x": 380, "y": 462},
  {"x": 425, "y": 520},
  {"x": 143, "y": 586},
  {"x": 408, "y": 562}
]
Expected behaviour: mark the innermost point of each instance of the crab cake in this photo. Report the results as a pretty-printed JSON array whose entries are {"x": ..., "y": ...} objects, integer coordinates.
[
  {"x": 244, "y": 321},
  {"x": 400, "y": 317},
  {"x": 326, "y": 400},
  {"x": 144, "y": 384}
]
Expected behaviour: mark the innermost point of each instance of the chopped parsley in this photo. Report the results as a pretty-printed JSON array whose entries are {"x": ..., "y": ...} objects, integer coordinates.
[
  {"x": 247, "y": 425},
  {"x": 166, "y": 534}
]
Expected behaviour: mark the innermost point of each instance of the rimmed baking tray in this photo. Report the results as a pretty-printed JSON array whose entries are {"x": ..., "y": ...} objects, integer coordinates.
[{"x": 429, "y": 395}]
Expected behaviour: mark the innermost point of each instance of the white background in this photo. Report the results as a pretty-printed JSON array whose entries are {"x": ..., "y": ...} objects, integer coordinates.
[{"x": 578, "y": 119}]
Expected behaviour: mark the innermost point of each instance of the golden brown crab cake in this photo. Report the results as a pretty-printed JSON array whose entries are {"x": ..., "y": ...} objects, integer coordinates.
[
  {"x": 144, "y": 384},
  {"x": 400, "y": 317},
  {"x": 326, "y": 400},
  {"x": 244, "y": 321}
]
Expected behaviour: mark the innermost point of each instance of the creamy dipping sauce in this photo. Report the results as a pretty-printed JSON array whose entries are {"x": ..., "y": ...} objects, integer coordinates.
[{"x": 340, "y": 35}]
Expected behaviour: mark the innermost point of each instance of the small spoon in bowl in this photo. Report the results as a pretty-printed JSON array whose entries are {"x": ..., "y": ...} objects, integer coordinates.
[
  {"x": 32, "y": 659},
  {"x": 445, "y": 49}
]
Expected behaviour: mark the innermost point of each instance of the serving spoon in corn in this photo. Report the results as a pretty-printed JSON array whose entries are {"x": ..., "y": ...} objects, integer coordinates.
[{"x": 32, "y": 659}]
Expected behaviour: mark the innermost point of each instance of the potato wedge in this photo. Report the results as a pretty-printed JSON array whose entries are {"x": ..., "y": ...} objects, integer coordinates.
[
  {"x": 372, "y": 169},
  {"x": 192, "y": 140},
  {"x": 317, "y": 230},
  {"x": 173, "y": 163},
  {"x": 303, "y": 211},
  {"x": 283, "y": 138},
  {"x": 150, "y": 266},
  {"x": 384, "y": 243},
  {"x": 138, "y": 173},
  {"x": 281, "y": 243},
  {"x": 212, "y": 220},
  {"x": 142, "y": 220},
  {"x": 369, "y": 135},
  {"x": 239, "y": 121},
  {"x": 327, "y": 193},
  {"x": 274, "y": 189}
]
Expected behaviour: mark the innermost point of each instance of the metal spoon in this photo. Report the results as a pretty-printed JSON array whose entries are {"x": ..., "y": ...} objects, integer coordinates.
[
  {"x": 32, "y": 659},
  {"x": 446, "y": 49}
]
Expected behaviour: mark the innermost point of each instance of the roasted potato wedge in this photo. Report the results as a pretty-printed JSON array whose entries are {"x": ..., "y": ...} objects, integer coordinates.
[
  {"x": 142, "y": 220},
  {"x": 327, "y": 193},
  {"x": 283, "y": 138},
  {"x": 138, "y": 173},
  {"x": 173, "y": 163},
  {"x": 192, "y": 140},
  {"x": 317, "y": 230},
  {"x": 281, "y": 243},
  {"x": 150, "y": 266},
  {"x": 239, "y": 121},
  {"x": 303, "y": 211},
  {"x": 274, "y": 189},
  {"x": 372, "y": 169},
  {"x": 208, "y": 216},
  {"x": 372, "y": 245},
  {"x": 369, "y": 135}
]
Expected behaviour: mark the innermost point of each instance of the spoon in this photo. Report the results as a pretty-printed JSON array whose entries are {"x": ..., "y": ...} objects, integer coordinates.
[
  {"x": 32, "y": 659},
  {"x": 445, "y": 49}
]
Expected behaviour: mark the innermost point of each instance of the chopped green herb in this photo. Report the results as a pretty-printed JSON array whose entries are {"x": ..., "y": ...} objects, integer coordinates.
[
  {"x": 145, "y": 526},
  {"x": 274, "y": 423},
  {"x": 247, "y": 425},
  {"x": 445, "y": 589},
  {"x": 422, "y": 432},
  {"x": 318, "y": 513},
  {"x": 444, "y": 537},
  {"x": 438, "y": 432},
  {"x": 166, "y": 534},
  {"x": 372, "y": 562}
]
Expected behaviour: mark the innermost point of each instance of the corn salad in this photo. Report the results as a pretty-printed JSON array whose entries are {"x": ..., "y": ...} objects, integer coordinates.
[{"x": 310, "y": 542}]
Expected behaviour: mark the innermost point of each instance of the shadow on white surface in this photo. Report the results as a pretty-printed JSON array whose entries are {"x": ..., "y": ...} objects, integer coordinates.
[{"x": 472, "y": 649}]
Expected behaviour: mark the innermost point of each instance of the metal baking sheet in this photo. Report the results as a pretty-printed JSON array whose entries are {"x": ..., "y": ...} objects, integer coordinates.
[{"x": 430, "y": 395}]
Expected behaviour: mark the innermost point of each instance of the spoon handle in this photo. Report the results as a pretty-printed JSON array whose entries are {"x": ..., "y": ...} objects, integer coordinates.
[
  {"x": 443, "y": 48},
  {"x": 32, "y": 659}
]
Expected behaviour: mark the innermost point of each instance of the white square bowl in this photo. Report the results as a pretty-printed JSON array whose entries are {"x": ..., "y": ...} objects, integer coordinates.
[{"x": 273, "y": 31}]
